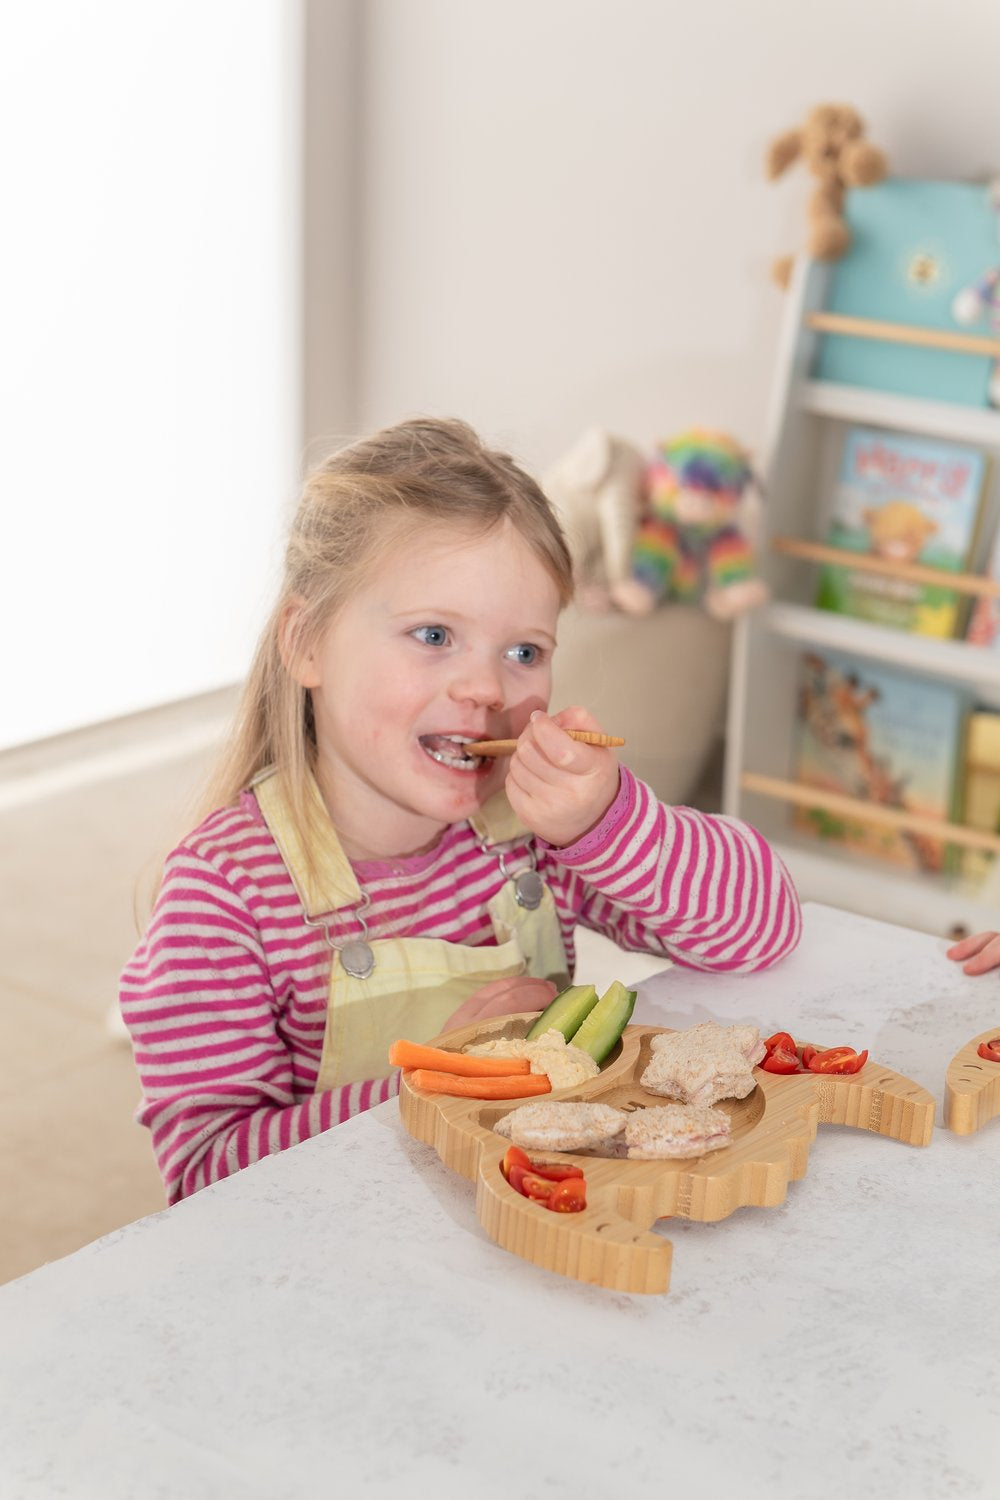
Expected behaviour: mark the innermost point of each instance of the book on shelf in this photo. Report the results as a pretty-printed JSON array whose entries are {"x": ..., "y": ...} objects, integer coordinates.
[
  {"x": 914, "y": 246},
  {"x": 864, "y": 731},
  {"x": 980, "y": 789},
  {"x": 984, "y": 620},
  {"x": 903, "y": 499}
]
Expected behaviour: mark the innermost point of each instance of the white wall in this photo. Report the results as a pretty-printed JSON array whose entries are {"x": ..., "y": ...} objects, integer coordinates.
[
  {"x": 566, "y": 219},
  {"x": 150, "y": 355},
  {"x": 538, "y": 214}
]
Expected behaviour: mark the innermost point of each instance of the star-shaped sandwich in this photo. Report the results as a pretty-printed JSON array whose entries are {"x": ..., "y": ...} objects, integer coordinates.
[{"x": 704, "y": 1063}]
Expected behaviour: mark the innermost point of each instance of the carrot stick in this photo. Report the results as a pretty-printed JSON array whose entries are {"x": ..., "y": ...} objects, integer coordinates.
[
  {"x": 516, "y": 1087},
  {"x": 404, "y": 1054}
]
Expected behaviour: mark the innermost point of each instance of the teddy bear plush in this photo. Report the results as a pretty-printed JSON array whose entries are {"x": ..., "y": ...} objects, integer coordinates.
[
  {"x": 690, "y": 545},
  {"x": 832, "y": 147},
  {"x": 596, "y": 491}
]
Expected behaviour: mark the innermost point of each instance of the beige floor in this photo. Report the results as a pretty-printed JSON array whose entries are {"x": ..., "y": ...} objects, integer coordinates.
[
  {"x": 75, "y": 868},
  {"x": 76, "y": 871}
]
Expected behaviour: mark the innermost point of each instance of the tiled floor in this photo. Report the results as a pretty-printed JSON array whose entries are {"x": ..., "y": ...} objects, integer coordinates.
[{"x": 77, "y": 868}]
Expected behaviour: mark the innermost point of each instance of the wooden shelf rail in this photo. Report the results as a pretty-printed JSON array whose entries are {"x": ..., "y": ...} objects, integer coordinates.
[
  {"x": 869, "y": 812},
  {"x": 866, "y": 562},
  {"x": 903, "y": 333}
]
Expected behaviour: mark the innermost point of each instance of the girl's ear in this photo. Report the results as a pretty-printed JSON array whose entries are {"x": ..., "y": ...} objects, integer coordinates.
[{"x": 299, "y": 664}]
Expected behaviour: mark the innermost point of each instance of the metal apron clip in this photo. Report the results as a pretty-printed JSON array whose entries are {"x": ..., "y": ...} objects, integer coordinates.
[
  {"x": 355, "y": 954},
  {"x": 529, "y": 887}
]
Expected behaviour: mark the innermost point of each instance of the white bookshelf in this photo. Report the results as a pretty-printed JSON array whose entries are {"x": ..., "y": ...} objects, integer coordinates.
[
  {"x": 953, "y": 661},
  {"x": 806, "y": 425},
  {"x": 942, "y": 419}
]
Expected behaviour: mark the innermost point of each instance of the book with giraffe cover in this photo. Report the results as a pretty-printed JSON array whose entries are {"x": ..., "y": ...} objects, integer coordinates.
[
  {"x": 885, "y": 737},
  {"x": 984, "y": 621},
  {"x": 903, "y": 499}
]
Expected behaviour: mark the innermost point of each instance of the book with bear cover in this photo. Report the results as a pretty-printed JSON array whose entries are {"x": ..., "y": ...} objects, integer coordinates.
[
  {"x": 903, "y": 499},
  {"x": 885, "y": 737}
]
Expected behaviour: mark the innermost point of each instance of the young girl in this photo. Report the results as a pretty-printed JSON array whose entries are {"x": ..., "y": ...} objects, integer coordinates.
[{"x": 362, "y": 877}]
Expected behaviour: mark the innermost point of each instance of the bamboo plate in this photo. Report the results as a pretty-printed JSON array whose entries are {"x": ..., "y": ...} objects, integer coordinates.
[
  {"x": 609, "y": 1243},
  {"x": 971, "y": 1087}
]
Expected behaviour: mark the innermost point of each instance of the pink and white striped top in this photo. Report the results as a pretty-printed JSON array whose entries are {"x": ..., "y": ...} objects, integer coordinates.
[{"x": 225, "y": 997}]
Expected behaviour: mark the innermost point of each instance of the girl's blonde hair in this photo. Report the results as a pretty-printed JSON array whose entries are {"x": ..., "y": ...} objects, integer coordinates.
[{"x": 355, "y": 508}]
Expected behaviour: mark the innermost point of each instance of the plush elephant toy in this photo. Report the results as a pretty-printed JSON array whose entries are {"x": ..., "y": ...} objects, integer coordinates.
[
  {"x": 691, "y": 545},
  {"x": 596, "y": 490}
]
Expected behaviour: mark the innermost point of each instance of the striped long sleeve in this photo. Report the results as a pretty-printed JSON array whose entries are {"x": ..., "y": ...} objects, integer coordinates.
[
  {"x": 227, "y": 1015},
  {"x": 706, "y": 891},
  {"x": 225, "y": 997}
]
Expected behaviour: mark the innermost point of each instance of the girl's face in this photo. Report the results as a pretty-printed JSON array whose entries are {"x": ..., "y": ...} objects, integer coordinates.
[{"x": 448, "y": 640}]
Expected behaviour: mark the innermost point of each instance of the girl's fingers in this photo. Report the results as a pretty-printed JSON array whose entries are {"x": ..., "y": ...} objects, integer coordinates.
[
  {"x": 970, "y": 945},
  {"x": 987, "y": 958},
  {"x": 532, "y": 759},
  {"x": 554, "y": 747},
  {"x": 534, "y": 777},
  {"x": 575, "y": 717}
]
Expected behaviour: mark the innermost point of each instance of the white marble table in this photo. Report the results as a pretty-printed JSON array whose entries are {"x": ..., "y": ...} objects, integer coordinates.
[{"x": 334, "y": 1321}]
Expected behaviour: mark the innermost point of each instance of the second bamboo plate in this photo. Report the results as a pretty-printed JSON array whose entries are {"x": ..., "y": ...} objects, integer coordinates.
[
  {"x": 609, "y": 1243},
  {"x": 972, "y": 1087}
]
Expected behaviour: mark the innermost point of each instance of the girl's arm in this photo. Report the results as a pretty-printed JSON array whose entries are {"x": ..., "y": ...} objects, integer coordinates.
[
  {"x": 221, "y": 1087},
  {"x": 705, "y": 891}
]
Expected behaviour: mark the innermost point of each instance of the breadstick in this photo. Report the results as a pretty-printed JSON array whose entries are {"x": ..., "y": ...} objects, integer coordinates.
[{"x": 507, "y": 747}]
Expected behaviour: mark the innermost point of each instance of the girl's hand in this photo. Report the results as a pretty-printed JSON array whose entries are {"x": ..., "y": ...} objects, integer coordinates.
[
  {"x": 977, "y": 954},
  {"x": 557, "y": 786},
  {"x": 503, "y": 997}
]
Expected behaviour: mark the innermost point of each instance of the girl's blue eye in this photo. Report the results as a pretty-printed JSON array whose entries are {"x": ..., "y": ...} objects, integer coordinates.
[
  {"x": 431, "y": 635},
  {"x": 523, "y": 654}
]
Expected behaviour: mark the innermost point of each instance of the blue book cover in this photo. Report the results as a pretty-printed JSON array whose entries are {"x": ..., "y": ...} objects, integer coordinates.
[
  {"x": 903, "y": 499},
  {"x": 915, "y": 245},
  {"x": 884, "y": 737}
]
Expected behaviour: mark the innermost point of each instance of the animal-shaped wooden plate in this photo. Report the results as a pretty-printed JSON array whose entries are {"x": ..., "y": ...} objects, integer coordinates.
[
  {"x": 609, "y": 1242},
  {"x": 972, "y": 1087}
]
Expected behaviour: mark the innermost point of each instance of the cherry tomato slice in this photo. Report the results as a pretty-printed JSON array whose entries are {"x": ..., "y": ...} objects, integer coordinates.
[
  {"x": 808, "y": 1053},
  {"x": 838, "y": 1060},
  {"x": 782, "y": 1039},
  {"x": 555, "y": 1171},
  {"x": 990, "y": 1050},
  {"x": 538, "y": 1188},
  {"x": 514, "y": 1157},
  {"x": 515, "y": 1176},
  {"x": 568, "y": 1196},
  {"x": 780, "y": 1060}
]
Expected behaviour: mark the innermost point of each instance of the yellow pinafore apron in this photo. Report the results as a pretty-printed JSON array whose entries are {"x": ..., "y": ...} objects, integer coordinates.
[{"x": 416, "y": 983}]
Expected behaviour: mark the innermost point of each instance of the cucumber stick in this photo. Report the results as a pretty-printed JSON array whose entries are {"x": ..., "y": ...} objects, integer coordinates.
[
  {"x": 605, "y": 1023},
  {"x": 567, "y": 1012}
]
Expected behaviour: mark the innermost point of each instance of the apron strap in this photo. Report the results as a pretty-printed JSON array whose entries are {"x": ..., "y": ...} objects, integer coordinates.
[
  {"x": 326, "y": 883},
  {"x": 497, "y": 823}
]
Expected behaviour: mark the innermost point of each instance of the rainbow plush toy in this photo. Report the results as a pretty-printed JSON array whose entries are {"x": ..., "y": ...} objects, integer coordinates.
[{"x": 690, "y": 544}]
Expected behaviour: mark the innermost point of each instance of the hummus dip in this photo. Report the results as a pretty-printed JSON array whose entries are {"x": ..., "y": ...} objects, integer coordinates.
[{"x": 564, "y": 1065}]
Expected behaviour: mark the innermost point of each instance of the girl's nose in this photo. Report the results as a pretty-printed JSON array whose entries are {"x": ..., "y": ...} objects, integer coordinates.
[{"x": 477, "y": 680}]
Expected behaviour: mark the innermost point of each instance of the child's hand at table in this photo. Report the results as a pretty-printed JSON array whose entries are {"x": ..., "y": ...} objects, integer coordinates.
[
  {"x": 557, "y": 786},
  {"x": 977, "y": 954},
  {"x": 502, "y": 997}
]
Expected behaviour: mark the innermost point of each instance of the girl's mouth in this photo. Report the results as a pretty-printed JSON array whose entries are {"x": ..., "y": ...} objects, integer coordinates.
[{"x": 447, "y": 750}]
